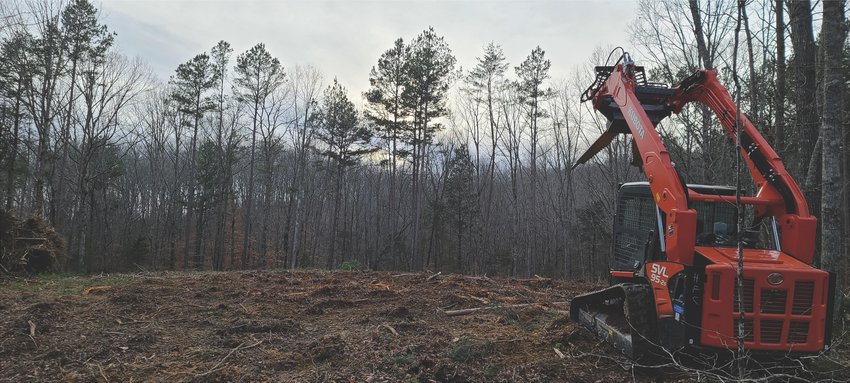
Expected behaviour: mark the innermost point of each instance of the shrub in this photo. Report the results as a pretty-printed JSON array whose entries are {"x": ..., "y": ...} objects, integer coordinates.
[{"x": 351, "y": 266}]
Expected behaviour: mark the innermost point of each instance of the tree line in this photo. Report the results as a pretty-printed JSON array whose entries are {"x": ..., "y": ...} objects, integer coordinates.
[{"x": 236, "y": 161}]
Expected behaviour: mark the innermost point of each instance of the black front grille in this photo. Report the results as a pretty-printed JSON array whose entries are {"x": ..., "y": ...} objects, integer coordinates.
[
  {"x": 748, "y": 296},
  {"x": 798, "y": 332},
  {"x": 766, "y": 323},
  {"x": 771, "y": 331},
  {"x": 802, "y": 304},
  {"x": 773, "y": 301}
]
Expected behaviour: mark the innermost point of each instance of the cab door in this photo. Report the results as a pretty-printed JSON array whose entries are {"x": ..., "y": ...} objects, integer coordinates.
[{"x": 637, "y": 230}]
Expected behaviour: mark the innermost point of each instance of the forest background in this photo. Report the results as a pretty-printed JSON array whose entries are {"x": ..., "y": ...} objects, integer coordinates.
[{"x": 236, "y": 161}]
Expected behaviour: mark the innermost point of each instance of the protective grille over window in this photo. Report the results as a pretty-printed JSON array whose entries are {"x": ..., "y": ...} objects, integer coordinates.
[{"x": 636, "y": 218}]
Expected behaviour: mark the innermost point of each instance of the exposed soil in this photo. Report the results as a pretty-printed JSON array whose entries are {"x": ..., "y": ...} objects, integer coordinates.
[{"x": 306, "y": 326}]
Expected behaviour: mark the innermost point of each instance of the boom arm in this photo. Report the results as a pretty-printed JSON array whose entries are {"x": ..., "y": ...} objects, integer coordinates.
[{"x": 778, "y": 195}]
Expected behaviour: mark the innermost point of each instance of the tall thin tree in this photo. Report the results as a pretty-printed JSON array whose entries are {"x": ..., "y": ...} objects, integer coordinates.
[
  {"x": 834, "y": 33},
  {"x": 258, "y": 74},
  {"x": 428, "y": 76},
  {"x": 344, "y": 141},
  {"x": 192, "y": 82}
]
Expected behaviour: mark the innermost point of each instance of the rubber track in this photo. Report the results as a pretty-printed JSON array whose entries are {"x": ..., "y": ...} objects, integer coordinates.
[{"x": 639, "y": 310}]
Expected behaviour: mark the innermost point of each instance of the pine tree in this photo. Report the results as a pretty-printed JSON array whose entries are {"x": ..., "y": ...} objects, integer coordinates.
[
  {"x": 532, "y": 73},
  {"x": 13, "y": 114},
  {"x": 85, "y": 41},
  {"x": 428, "y": 77},
  {"x": 387, "y": 111},
  {"x": 258, "y": 75},
  {"x": 461, "y": 202},
  {"x": 345, "y": 141},
  {"x": 46, "y": 66},
  {"x": 192, "y": 81},
  {"x": 486, "y": 79},
  {"x": 226, "y": 145}
]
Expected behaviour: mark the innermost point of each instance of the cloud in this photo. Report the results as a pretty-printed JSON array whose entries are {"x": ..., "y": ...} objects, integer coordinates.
[{"x": 345, "y": 38}]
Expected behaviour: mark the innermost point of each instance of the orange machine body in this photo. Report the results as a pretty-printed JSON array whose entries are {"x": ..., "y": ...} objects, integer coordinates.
[
  {"x": 786, "y": 315},
  {"x": 785, "y": 301}
]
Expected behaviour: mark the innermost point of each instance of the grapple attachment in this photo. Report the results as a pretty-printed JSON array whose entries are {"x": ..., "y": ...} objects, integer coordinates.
[{"x": 653, "y": 98}]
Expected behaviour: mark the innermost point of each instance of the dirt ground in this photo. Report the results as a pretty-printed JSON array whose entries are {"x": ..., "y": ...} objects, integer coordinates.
[{"x": 305, "y": 326}]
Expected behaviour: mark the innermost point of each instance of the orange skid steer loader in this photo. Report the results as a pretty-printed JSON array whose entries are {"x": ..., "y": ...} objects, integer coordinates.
[{"x": 674, "y": 253}]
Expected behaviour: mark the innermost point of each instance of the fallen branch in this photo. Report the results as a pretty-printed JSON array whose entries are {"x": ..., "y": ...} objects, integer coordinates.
[
  {"x": 404, "y": 275},
  {"x": 379, "y": 286},
  {"x": 482, "y": 300},
  {"x": 560, "y": 354},
  {"x": 454, "y": 313},
  {"x": 241, "y": 346},
  {"x": 390, "y": 329},
  {"x": 95, "y": 289},
  {"x": 246, "y": 309},
  {"x": 536, "y": 278},
  {"x": 434, "y": 276},
  {"x": 102, "y": 374},
  {"x": 127, "y": 320}
]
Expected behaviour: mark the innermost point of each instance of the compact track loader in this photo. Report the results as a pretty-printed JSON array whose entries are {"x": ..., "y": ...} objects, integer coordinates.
[{"x": 674, "y": 257}]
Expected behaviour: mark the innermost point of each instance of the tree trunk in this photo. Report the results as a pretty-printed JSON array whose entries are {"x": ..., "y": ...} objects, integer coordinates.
[
  {"x": 84, "y": 222},
  {"x": 754, "y": 105},
  {"x": 13, "y": 156},
  {"x": 531, "y": 222},
  {"x": 41, "y": 170},
  {"x": 249, "y": 199},
  {"x": 190, "y": 205},
  {"x": 218, "y": 239},
  {"x": 803, "y": 42},
  {"x": 707, "y": 61},
  {"x": 779, "y": 99},
  {"x": 299, "y": 189},
  {"x": 173, "y": 216},
  {"x": 459, "y": 255},
  {"x": 199, "y": 237},
  {"x": 414, "y": 237},
  {"x": 335, "y": 224},
  {"x": 702, "y": 49},
  {"x": 833, "y": 33},
  {"x": 267, "y": 205}
]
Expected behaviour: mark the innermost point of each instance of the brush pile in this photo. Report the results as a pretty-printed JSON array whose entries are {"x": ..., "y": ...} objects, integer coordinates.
[{"x": 29, "y": 245}]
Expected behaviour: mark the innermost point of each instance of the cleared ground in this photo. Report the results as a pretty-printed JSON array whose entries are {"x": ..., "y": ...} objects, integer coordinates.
[{"x": 300, "y": 326}]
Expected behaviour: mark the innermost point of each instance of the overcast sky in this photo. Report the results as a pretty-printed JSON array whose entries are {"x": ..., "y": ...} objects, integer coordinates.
[{"x": 345, "y": 38}]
